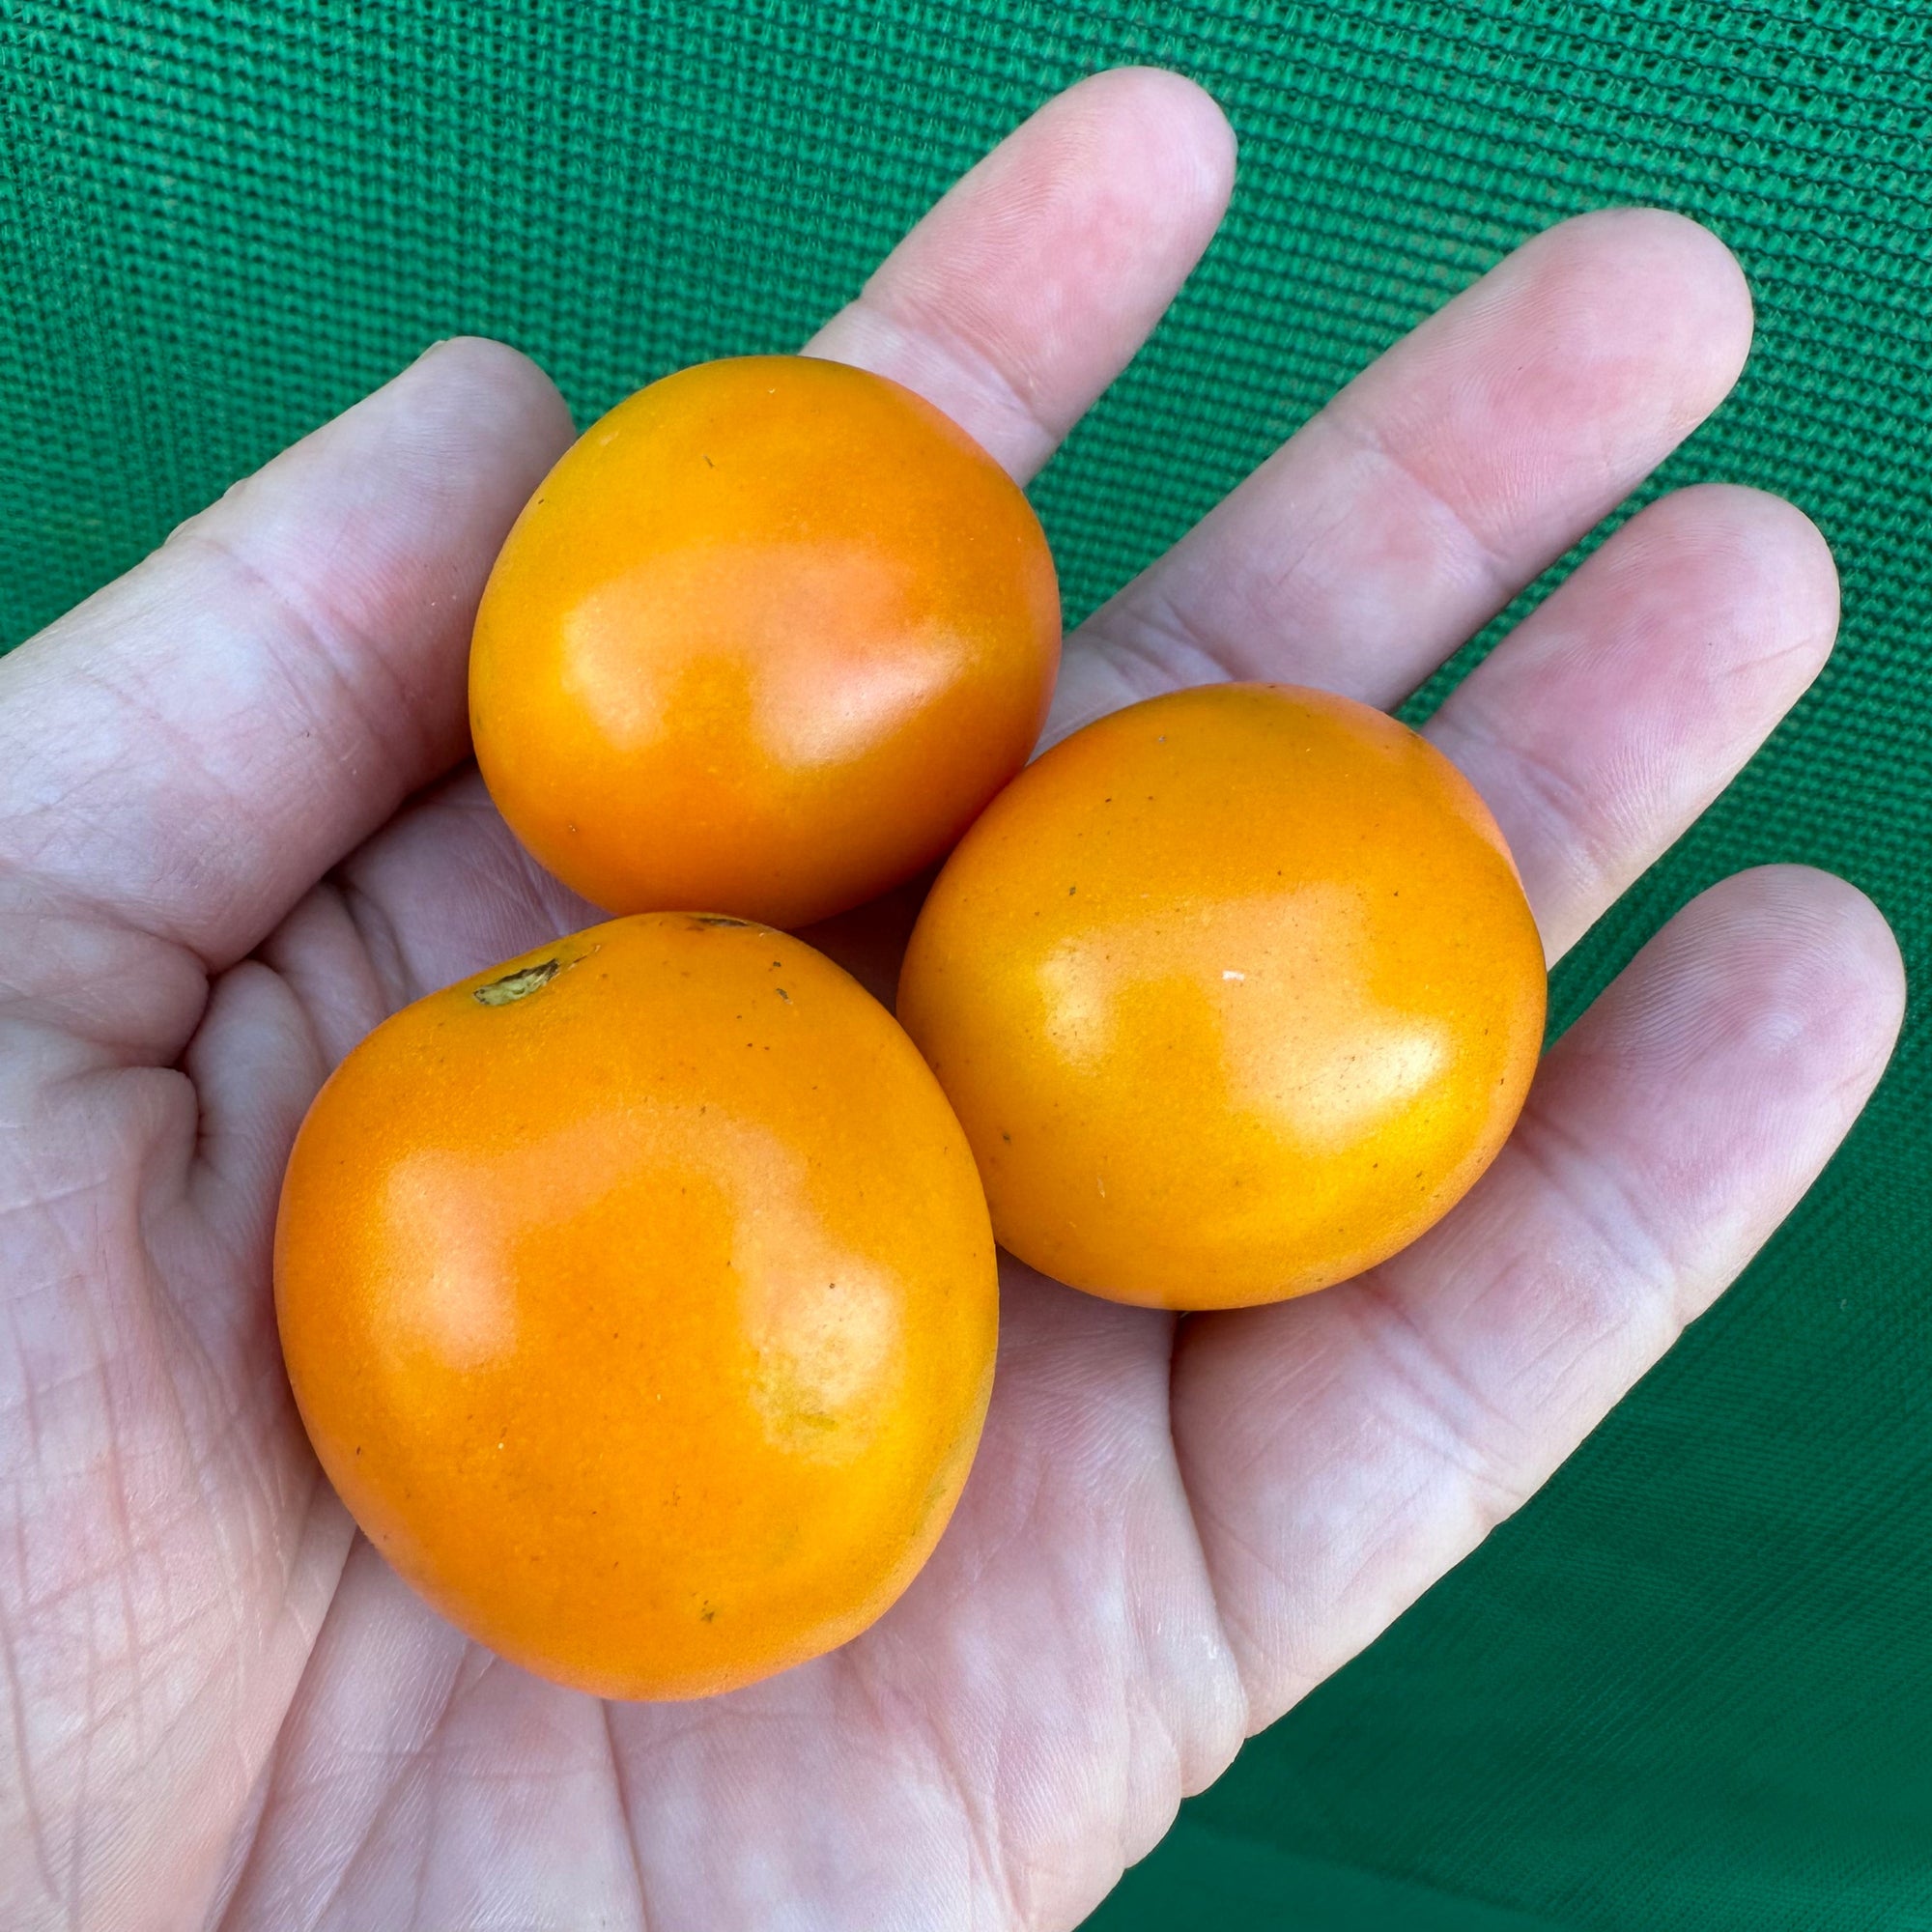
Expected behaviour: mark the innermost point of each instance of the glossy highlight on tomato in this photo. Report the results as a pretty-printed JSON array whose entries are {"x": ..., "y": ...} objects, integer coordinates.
[
  {"x": 1236, "y": 992},
  {"x": 765, "y": 641},
  {"x": 639, "y": 1299}
]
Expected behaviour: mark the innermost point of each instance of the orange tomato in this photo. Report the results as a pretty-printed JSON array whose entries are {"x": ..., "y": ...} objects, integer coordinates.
[
  {"x": 766, "y": 640},
  {"x": 639, "y": 1299},
  {"x": 1235, "y": 992}
]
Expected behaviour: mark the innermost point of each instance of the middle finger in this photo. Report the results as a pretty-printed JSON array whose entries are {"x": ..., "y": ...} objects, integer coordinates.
[{"x": 1442, "y": 479}]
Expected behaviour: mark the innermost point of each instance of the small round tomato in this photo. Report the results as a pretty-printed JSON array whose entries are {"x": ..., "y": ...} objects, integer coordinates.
[
  {"x": 765, "y": 639},
  {"x": 639, "y": 1299},
  {"x": 1235, "y": 992}
]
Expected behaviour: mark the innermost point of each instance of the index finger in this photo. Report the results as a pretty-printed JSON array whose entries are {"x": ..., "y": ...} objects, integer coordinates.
[{"x": 1033, "y": 281}]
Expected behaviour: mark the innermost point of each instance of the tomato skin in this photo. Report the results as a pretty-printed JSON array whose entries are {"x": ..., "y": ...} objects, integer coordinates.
[
  {"x": 1235, "y": 993},
  {"x": 765, "y": 639},
  {"x": 642, "y": 1311}
]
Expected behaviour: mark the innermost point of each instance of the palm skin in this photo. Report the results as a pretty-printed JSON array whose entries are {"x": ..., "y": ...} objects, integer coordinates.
[{"x": 230, "y": 842}]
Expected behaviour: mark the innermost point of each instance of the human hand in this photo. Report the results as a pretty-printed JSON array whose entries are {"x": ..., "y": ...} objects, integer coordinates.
[{"x": 224, "y": 1709}]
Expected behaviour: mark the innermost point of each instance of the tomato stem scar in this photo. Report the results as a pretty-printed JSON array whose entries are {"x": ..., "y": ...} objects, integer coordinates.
[{"x": 517, "y": 985}]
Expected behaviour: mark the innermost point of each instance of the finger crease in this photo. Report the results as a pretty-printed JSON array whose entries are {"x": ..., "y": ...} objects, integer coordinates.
[
  {"x": 331, "y": 639},
  {"x": 1607, "y": 1210},
  {"x": 979, "y": 368},
  {"x": 1151, "y": 644},
  {"x": 1356, "y": 427}
]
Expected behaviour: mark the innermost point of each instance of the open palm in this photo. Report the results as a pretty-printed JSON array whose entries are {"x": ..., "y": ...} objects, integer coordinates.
[{"x": 223, "y": 1709}]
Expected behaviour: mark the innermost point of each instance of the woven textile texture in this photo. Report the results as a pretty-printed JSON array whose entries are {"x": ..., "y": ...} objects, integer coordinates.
[{"x": 1691, "y": 1686}]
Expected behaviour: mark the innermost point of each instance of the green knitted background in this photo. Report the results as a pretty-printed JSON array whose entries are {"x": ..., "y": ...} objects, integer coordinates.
[{"x": 1690, "y": 1685}]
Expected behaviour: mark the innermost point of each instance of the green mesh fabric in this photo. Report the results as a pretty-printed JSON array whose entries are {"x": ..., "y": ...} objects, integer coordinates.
[{"x": 1691, "y": 1685}]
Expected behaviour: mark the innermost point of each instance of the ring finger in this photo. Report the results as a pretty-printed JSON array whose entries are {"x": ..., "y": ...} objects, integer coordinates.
[{"x": 1602, "y": 726}]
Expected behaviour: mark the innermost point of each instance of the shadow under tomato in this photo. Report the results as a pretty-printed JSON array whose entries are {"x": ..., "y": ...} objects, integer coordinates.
[{"x": 870, "y": 940}]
